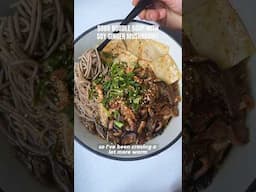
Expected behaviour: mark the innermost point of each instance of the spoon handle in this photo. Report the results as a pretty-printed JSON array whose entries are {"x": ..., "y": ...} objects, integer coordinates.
[{"x": 136, "y": 10}]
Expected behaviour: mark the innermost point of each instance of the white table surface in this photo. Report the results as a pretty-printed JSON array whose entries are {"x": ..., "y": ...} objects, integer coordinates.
[{"x": 93, "y": 173}]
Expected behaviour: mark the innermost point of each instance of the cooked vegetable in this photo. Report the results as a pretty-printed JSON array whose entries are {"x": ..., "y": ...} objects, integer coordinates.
[
  {"x": 120, "y": 85},
  {"x": 118, "y": 124}
]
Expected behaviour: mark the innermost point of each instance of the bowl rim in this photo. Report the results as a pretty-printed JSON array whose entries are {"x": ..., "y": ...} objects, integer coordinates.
[{"x": 124, "y": 158}]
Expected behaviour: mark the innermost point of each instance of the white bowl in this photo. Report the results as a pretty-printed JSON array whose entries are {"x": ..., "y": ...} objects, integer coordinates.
[{"x": 171, "y": 133}]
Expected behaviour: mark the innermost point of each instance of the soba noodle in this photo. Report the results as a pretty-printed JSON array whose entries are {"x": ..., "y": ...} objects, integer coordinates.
[
  {"x": 34, "y": 32},
  {"x": 87, "y": 69}
]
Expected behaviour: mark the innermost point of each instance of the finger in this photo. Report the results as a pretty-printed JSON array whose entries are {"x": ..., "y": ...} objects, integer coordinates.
[
  {"x": 175, "y": 5},
  {"x": 135, "y": 2},
  {"x": 155, "y": 14},
  {"x": 151, "y": 15},
  {"x": 142, "y": 14},
  {"x": 173, "y": 20},
  {"x": 162, "y": 13}
]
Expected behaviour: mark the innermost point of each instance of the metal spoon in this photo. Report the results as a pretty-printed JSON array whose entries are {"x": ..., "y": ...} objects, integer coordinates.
[{"x": 136, "y": 10}]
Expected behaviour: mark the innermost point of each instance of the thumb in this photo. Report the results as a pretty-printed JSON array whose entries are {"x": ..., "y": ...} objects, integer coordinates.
[{"x": 174, "y": 5}]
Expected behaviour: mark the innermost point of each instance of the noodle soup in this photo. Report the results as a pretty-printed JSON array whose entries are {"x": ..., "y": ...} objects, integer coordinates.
[{"x": 124, "y": 96}]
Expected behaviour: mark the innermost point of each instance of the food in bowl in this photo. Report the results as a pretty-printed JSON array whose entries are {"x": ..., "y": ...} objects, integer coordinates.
[
  {"x": 36, "y": 88},
  {"x": 128, "y": 92},
  {"x": 214, "y": 116},
  {"x": 216, "y": 91}
]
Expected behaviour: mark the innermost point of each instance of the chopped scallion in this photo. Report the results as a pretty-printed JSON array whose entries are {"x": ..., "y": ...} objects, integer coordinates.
[{"x": 118, "y": 124}]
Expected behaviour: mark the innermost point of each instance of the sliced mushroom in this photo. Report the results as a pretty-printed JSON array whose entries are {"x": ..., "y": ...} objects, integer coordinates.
[
  {"x": 204, "y": 168},
  {"x": 166, "y": 112},
  {"x": 117, "y": 132},
  {"x": 131, "y": 126},
  {"x": 220, "y": 149},
  {"x": 175, "y": 111},
  {"x": 158, "y": 126},
  {"x": 150, "y": 112},
  {"x": 141, "y": 127},
  {"x": 221, "y": 145},
  {"x": 129, "y": 138},
  {"x": 142, "y": 141},
  {"x": 144, "y": 114},
  {"x": 112, "y": 138},
  {"x": 129, "y": 116},
  {"x": 218, "y": 130}
]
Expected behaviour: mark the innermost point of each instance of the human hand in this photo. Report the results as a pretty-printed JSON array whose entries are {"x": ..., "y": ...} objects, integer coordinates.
[{"x": 167, "y": 13}]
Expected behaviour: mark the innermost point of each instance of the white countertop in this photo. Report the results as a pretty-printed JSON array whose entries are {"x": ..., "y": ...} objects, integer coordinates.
[{"x": 93, "y": 173}]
